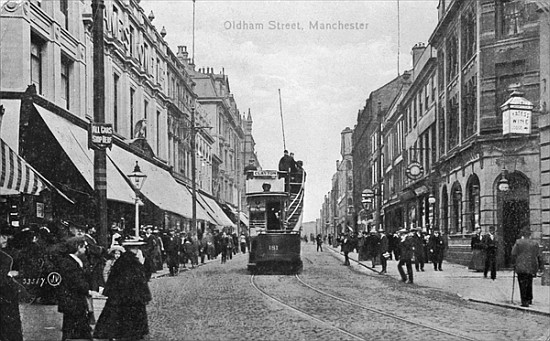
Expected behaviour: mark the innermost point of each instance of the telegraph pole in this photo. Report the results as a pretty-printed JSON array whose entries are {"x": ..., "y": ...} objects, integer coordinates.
[
  {"x": 100, "y": 159},
  {"x": 193, "y": 171}
]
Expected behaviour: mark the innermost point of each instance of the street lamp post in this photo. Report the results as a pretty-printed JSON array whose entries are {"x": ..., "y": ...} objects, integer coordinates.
[{"x": 137, "y": 178}]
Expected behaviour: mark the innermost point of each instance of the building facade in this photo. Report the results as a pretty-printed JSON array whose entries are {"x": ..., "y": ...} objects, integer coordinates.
[{"x": 46, "y": 90}]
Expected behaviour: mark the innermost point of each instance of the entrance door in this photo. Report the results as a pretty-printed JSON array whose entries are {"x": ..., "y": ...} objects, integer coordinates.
[{"x": 515, "y": 215}]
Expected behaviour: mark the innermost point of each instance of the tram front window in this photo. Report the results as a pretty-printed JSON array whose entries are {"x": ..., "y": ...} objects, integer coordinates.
[{"x": 274, "y": 216}]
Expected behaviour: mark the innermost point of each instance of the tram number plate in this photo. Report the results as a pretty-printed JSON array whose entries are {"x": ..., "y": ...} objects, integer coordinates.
[{"x": 273, "y": 247}]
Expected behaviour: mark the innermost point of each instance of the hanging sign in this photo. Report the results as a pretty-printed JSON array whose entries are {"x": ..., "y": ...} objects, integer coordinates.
[
  {"x": 414, "y": 170},
  {"x": 100, "y": 136},
  {"x": 516, "y": 122}
]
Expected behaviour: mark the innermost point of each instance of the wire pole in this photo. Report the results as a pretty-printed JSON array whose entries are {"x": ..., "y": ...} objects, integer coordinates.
[
  {"x": 193, "y": 170},
  {"x": 193, "y": 52},
  {"x": 282, "y": 121},
  {"x": 398, "y": 37},
  {"x": 100, "y": 155}
]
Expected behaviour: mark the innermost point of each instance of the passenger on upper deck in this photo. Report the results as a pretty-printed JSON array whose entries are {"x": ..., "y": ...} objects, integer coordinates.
[
  {"x": 300, "y": 172},
  {"x": 287, "y": 163},
  {"x": 249, "y": 169}
]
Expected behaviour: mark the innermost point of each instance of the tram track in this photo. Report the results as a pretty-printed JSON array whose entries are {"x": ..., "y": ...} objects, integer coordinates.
[{"x": 353, "y": 334}]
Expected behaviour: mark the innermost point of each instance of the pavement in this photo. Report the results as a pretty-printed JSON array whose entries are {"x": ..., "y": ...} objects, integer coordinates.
[{"x": 469, "y": 284}]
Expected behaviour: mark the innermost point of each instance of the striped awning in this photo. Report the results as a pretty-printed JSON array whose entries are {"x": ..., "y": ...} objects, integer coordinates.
[{"x": 17, "y": 176}]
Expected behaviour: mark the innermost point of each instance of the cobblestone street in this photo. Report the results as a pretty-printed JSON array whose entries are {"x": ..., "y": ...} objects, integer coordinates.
[{"x": 217, "y": 302}]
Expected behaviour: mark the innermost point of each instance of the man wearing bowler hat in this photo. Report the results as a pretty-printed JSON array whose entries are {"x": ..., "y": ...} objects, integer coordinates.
[
  {"x": 383, "y": 247},
  {"x": 406, "y": 253}
]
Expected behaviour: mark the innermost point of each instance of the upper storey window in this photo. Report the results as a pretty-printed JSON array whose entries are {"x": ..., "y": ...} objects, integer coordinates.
[
  {"x": 36, "y": 63},
  {"x": 452, "y": 57},
  {"x": 511, "y": 18},
  {"x": 468, "y": 34}
]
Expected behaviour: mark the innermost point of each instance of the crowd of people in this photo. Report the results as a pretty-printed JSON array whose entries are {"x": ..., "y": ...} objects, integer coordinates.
[
  {"x": 408, "y": 247},
  {"x": 63, "y": 264}
]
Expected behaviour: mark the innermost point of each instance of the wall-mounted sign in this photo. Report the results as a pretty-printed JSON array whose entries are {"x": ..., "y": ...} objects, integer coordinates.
[
  {"x": 100, "y": 136},
  {"x": 516, "y": 122},
  {"x": 414, "y": 170}
]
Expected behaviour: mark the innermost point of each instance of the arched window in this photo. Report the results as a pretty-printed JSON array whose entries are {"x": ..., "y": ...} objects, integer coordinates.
[
  {"x": 444, "y": 204},
  {"x": 473, "y": 203},
  {"x": 456, "y": 209}
]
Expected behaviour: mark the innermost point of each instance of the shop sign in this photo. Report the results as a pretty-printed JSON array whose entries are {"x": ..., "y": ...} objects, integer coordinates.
[
  {"x": 40, "y": 210},
  {"x": 516, "y": 122},
  {"x": 414, "y": 170},
  {"x": 100, "y": 136}
]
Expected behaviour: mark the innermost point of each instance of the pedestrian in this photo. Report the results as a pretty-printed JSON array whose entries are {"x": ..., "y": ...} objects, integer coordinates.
[
  {"x": 114, "y": 252},
  {"x": 230, "y": 246},
  {"x": 373, "y": 247},
  {"x": 477, "y": 262},
  {"x": 527, "y": 260},
  {"x": 149, "y": 251},
  {"x": 346, "y": 248},
  {"x": 383, "y": 250},
  {"x": 10, "y": 319},
  {"x": 490, "y": 246},
  {"x": 124, "y": 315},
  {"x": 224, "y": 242},
  {"x": 243, "y": 243},
  {"x": 319, "y": 240},
  {"x": 74, "y": 290},
  {"x": 419, "y": 249},
  {"x": 172, "y": 252},
  {"x": 406, "y": 253},
  {"x": 329, "y": 239},
  {"x": 436, "y": 247}
]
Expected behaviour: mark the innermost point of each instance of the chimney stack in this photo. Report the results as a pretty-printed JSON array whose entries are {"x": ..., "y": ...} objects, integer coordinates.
[{"x": 417, "y": 51}]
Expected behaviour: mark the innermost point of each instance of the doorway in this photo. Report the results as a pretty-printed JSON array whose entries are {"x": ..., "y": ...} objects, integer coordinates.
[{"x": 514, "y": 206}]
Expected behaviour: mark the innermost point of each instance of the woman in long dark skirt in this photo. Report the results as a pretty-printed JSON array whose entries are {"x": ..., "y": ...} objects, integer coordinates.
[{"x": 124, "y": 315}]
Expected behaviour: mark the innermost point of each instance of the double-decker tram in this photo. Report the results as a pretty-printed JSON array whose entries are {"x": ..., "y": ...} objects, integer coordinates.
[{"x": 275, "y": 203}]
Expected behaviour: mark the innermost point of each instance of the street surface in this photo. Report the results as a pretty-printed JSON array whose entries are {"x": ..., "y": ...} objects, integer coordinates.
[{"x": 219, "y": 302}]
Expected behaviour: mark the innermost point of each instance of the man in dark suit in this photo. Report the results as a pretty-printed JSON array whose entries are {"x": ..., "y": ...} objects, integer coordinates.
[
  {"x": 527, "y": 260},
  {"x": 405, "y": 255},
  {"x": 490, "y": 246},
  {"x": 383, "y": 248},
  {"x": 347, "y": 245},
  {"x": 74, "y": 290},
  {"x": 419, "y": 249}
]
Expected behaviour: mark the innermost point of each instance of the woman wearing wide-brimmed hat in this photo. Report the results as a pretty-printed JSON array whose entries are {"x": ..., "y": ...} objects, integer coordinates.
[
  {"x": 127, "y": 291},
  {"x": 114, "y": 252}
]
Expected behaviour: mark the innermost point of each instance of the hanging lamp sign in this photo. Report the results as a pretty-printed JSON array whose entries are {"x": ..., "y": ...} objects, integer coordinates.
[{"x": 516, "y": 115}]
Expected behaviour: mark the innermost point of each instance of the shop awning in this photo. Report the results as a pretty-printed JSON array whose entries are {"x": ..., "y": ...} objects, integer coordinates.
[
  {"x": 187, "y": 202},
  {"x": 244, "y": 218},
  {"x": 17, "y": 176},
  {"x": 214, "y": 210},
  {"x": 159, "y": 186},
  {"x": 74, "y": 141}
]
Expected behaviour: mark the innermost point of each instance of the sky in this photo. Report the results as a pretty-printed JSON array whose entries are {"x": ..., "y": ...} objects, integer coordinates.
[{"x": 324, "y": 75}]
